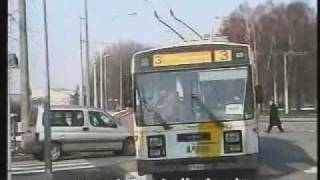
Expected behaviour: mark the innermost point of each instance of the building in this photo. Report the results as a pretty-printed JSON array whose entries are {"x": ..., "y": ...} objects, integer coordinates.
[{"x": 58, "y": 96}]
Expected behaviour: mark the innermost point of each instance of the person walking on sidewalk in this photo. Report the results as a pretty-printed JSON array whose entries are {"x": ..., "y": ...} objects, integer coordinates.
[{"x": 274, "y": 118}]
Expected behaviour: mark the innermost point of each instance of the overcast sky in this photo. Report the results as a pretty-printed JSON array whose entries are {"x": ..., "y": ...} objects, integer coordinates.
[{"x": 109, "y": 22}]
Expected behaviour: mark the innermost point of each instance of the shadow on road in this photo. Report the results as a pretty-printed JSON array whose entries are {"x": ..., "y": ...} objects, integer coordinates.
[
  {"x": 71, "y": 156},
  {"x": 280, "y": 157}
]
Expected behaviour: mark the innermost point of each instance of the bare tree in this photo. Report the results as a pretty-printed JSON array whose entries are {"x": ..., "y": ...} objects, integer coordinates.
[{"x": 280, "y": 28}]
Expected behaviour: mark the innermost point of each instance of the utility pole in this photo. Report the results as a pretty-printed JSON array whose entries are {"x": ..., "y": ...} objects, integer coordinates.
[
  {"x": 275, "y": 94},
  {"x": 121, "y": 93},
  {"x": 9, "y": 153},
  {"x": 285, "y": 73},
  {"x": 101, "y": 80},
  {"x": 95, "y": 84},
  {"x": 47, "y": 128},
  {"x": 105, "y": 81},
  {"x": 81, "y": 61},
  {"x": 286, "y": 100},
  {"x": 25, "y": 90},
  {"x": 87, "y": 57}
]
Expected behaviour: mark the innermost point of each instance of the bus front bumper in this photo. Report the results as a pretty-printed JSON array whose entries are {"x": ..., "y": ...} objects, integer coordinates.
[{"x": 218, "y": 164}]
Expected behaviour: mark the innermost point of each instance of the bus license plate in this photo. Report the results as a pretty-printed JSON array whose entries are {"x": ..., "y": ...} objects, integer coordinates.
[
  {"x": 196, "y": 167},
  {"x": 200, "y": 149}
]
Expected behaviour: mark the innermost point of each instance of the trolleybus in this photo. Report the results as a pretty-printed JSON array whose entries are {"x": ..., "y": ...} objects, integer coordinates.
[{"x": 195, "y": 110}]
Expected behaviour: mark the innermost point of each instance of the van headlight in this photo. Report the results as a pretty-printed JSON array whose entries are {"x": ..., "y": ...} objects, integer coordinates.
[
  {"x": 156, "y": 146},
  {"x": 232, "y": 141}
]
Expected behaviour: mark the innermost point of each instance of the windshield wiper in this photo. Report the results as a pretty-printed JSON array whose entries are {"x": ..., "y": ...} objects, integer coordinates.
[
  {"x": 163, "y": 123},
  {"x": 203, "y": 106}
]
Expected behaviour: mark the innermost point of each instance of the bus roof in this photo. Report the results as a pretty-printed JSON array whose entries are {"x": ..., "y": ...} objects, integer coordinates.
[{"x": 191, "y": 43}]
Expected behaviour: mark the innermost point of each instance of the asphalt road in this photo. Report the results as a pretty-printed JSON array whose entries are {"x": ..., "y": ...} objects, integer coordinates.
[{"x": 287, "y": 156}]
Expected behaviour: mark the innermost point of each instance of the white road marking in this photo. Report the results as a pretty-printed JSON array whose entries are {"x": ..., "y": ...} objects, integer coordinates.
[
  {"x": 312, "y": 170},
  {"x": 135, "y": 176},
  {"x": 38, "y": 167}
]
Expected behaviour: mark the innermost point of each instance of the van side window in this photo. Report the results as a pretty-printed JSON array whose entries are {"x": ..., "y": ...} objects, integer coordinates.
[
  {"x": 99, "y": 119},
  {"x": 66, "y": 118}
]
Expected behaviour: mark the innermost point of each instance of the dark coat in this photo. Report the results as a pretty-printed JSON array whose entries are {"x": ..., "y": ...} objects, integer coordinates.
[{"x": 274, "y": 115}]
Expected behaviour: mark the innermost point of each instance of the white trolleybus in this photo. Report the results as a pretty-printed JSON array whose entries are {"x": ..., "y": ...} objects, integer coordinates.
[{"x": 195, "y": 110}]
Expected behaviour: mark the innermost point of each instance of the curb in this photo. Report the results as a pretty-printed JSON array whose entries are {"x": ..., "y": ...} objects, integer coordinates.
[
  {"x": 21, "y": 157},
  {"x": 308, "y": 121}
]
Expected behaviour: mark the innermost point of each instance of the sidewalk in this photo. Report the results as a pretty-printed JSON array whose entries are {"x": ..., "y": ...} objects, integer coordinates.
[
  {"x": 16, "y": 157},
  {"x": 291, "y": 118}
]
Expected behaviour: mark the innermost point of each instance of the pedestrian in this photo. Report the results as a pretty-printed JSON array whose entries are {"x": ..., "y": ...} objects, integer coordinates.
[{"x": 274, "y": 118}]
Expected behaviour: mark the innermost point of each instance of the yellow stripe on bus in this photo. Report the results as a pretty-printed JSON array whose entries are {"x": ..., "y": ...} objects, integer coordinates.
[{"x": 213, "y": 147}]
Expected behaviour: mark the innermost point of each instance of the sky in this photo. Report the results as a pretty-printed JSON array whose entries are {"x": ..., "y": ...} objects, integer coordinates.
[{"x": 108, "y": 22}]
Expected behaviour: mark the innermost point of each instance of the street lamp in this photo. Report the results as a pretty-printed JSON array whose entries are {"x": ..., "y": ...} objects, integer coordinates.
[
  {"x": 95, "y": 89},
  {"x": 286, "y": 54},
  {"x": 95, "y": 71},
  {"x": 128, "y": 14}
]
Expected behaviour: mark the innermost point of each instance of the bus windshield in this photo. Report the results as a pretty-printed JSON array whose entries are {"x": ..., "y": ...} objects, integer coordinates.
[{"x": 194, "y": 96}]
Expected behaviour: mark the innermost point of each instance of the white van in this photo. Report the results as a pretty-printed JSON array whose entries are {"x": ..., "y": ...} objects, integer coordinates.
[{"x": 76, "y": 129}]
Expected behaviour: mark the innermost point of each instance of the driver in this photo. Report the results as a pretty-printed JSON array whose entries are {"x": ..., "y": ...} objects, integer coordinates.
[{"x": 166, "y": 105}]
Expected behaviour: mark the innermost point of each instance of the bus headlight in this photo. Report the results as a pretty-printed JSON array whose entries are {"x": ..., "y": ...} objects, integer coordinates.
[
  {"x": 156, "y": 146},
  {"x": 232, "y": 141}
]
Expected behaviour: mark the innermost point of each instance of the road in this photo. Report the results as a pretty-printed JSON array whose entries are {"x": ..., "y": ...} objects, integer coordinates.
[{"x": 287, "y": 156}]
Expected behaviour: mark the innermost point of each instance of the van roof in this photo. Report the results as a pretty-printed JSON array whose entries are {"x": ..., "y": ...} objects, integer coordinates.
[{"x": 73, "y": 107}]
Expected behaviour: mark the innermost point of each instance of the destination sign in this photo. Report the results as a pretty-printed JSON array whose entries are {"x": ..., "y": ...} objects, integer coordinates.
[
  {"x": 182, "y": 58},
  {"x": 192, "y": 57}
]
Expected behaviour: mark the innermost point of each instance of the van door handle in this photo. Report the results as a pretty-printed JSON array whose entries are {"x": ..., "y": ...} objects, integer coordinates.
[{"x": 85, "y": 128}]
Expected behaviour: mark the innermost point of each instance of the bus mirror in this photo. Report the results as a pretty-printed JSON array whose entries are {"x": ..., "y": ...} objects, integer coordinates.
[{"x": 259, "y": 94}]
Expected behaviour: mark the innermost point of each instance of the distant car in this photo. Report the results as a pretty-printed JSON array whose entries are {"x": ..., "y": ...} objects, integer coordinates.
[{"x": 76, "y": 129}]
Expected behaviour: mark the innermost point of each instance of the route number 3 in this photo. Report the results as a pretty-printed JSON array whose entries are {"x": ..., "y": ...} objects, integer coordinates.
[
  {"x": 222, "y": 55},
  {"x": 157, "y": 60}
]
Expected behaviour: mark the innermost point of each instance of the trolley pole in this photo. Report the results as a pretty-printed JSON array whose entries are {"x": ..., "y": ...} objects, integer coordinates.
[
  {"x": 47, "y": 128},
  {"x": 87, "y": 57},
  {"x": 24, "y": 75}
]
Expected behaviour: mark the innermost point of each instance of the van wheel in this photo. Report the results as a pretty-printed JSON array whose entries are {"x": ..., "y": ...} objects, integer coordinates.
[
  {"x": 129, "y": 147},
  {"x": 55, "y": 151}
]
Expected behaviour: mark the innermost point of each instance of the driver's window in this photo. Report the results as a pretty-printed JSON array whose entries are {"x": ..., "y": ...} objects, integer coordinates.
[{"x": 98, "y": 119}]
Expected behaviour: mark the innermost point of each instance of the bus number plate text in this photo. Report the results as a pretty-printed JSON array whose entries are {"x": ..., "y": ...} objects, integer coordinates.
[{"x": 198, "y": 149}]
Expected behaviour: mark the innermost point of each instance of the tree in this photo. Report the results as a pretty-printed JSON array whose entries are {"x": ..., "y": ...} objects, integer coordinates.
[
  {"x": 279, "y": 28},
  {"x": 122, "y": 50}
]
